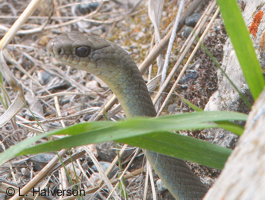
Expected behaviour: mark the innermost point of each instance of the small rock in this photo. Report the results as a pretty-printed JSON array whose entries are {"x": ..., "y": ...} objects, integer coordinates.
[
  {"x": 86, "y": 8},
  {"x": 44, "y": 77},
  {"x": 187, "y": 31},
  {"x": 197, "y": 66},
  {"x": 104, "y": 165},
  {"x": 97, "y": 31},
  {"x": 179, "y": 40},
  {"x": 41, "y": 160},
  {"x": 192, "y": 19},
  {"x": 160, "y": 186},
  {"x": 93, "y": 85},
  {"x": 139, "y": 35},
  {"x": 35, "y": 106},
  {"x": 173, "y": 108},
  {"x": 100, "y": 82},
  {"x": 192, "y": 75},
  {"x": 106, "y": 151},
  {"x": 25, "y": 172}
]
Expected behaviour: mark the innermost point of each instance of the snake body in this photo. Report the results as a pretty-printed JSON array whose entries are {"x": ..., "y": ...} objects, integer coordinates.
[{"x": 113, "y": 65}]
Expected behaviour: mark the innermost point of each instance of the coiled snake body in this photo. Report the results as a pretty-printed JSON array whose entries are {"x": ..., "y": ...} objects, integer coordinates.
[{"x": 113, "y": 65}]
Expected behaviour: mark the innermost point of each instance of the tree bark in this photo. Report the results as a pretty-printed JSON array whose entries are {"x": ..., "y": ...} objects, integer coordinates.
[{"x": 243, "y": 176}]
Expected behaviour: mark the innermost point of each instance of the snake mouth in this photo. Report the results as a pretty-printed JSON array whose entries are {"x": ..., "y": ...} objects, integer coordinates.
[{"x": 56, "y": 49}]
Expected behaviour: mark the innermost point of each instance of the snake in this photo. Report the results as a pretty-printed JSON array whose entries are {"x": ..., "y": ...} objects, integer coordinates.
[{"x": 116, "y": 68}]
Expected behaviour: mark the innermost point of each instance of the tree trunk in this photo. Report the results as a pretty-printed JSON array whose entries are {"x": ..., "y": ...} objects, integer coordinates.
[{"x": 243, "y": 176}]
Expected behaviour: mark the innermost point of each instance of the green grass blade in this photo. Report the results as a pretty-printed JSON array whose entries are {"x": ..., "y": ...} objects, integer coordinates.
[
  {"x": 232, "y": 127},
  {"x": 196, "y": 108},
  {"x": 225, "y": 74},
  {"x": 239, "y": 35},
  {"x": 182, "y": 147},
  {"x": 96, "y": 132},
  {"x": 205, "y": 116},
  {"x": 98, "y": 136}
]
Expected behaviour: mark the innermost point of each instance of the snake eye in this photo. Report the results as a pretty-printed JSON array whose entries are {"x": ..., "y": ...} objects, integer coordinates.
[{"x": 83, "y": 51}]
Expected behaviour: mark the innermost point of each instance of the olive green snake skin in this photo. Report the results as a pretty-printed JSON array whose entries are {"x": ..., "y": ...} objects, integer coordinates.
[{"x": 113, "y": 65}]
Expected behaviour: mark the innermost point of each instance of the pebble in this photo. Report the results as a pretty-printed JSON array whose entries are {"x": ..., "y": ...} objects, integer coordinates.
[
  {"x": 86, "y": 8},
  {"x": 160, "y": 186},
  {"x": 192, "y": 19},
  {"x": 187, "y": 31},
  {"x": 104, "y": 165},
  {"x": 188, "y": 77}
]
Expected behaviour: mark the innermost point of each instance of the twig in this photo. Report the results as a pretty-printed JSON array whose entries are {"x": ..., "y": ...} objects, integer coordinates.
[
  {"x": 189, "y": 60},
  {"x": 171, "y": 41}
]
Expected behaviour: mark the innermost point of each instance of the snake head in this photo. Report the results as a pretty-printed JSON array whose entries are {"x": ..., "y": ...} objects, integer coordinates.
[
  {"x": 93, "y": 54},
  {"x": 85, "y": 52}
]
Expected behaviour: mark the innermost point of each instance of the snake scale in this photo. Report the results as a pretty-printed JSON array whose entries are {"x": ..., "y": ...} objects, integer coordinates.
[{"x": 114, "y": 66}]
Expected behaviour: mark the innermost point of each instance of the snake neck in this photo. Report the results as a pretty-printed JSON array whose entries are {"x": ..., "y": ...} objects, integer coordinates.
[
  {"x": 118, "y": 70},
  {"x": 130, "y": 90}
]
